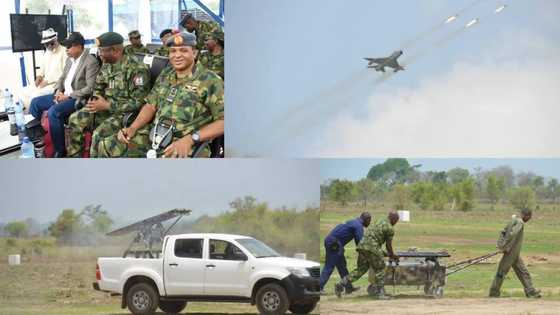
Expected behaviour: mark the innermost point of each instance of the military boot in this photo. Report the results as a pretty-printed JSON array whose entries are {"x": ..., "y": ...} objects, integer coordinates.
[
  {"x": 339, "y": 287},
  {"x": 533, "y": 293},
  {"x": 349, "y": 288},
  {"x": 496, "y": 285},
  {"x": 379, "y": 293}
]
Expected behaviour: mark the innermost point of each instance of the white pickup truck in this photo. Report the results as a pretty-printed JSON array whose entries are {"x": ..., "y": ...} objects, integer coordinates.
[{"x": 211, "y": 268}]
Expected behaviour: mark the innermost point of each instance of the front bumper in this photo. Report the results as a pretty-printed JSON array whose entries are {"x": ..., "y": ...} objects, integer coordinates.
[{"x": 302, "y": 290}]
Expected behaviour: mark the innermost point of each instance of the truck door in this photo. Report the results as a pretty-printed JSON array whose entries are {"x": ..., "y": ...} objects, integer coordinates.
[
  {"x": 184, "y": 267},
  {"x": 227, "y": 270}
]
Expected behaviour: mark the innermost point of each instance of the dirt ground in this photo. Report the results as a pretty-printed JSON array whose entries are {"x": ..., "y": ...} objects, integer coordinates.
[{"x": 505, "y": 306}]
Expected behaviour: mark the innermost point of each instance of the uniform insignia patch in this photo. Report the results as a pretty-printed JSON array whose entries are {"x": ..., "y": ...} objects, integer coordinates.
[
  {"x": 138, "y": 80},
  {"x": 178, "y": 40}
]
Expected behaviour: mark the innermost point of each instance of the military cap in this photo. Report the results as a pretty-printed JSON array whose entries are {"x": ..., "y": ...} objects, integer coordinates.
[
  {"x": 165, "y": 32},
  {"x": 181, "y": 39},
  {"x": 109, "y": 39},
  {"x": 134, "y": 34}
]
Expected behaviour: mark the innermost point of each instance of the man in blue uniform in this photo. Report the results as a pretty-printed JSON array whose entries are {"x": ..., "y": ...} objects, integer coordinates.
[{"x": 341, "y": 235}]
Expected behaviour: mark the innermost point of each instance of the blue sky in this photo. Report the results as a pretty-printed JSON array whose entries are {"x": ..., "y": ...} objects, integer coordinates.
[
  {"x": 131, "y": 190},
  {"x": 355, "y": 169},
  {"x": 296, "y": 85}
]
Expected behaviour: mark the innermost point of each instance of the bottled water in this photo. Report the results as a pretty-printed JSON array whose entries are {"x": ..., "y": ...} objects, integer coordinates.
[
  {"x": 10, "y": 110},
  {"x": 27, "y": 149},
  {"x": 20, "y": 119}
]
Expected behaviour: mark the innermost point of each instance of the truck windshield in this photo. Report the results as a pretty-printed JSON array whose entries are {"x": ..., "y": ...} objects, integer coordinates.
[{"x": 257, "y": 248}]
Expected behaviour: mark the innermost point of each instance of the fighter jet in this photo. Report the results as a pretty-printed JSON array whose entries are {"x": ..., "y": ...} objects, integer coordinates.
[{"x": 379, "y": 64}]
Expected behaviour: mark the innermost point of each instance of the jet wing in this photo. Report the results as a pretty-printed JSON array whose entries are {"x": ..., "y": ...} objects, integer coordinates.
[{"x": 376, "y": 60}]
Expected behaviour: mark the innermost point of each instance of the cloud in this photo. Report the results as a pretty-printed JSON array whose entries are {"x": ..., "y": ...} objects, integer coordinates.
[{"x": 491, "y": 107}]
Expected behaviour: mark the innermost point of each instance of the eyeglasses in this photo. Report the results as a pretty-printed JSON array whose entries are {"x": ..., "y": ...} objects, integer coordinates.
[{"x": 50, "y": 44}]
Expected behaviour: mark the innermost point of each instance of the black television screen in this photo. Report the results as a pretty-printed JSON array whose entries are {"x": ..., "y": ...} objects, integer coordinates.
[{"x": 27, "y": 28}]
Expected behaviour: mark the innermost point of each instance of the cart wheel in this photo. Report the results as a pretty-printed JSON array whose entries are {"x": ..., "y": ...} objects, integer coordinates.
[{"x": 438, "y": 292}]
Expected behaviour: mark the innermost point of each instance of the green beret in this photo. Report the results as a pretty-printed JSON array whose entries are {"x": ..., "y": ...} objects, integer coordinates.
[
  {"x": 181, "y": 39},
  {"x": 109, "y": 39}
]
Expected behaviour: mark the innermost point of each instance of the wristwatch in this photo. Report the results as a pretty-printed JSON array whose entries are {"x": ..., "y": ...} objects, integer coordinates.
[{"x": 196, "y": 137}]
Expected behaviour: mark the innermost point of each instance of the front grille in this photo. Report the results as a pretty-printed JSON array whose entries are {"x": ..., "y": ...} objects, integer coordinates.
[{"x": 315, "y": 272}]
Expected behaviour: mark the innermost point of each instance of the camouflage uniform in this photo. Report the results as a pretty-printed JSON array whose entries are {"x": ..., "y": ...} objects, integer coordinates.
[
  {"x": 124, "y": 85},
  {"x": 370, "y": 254},
  {"x": 129, "y": 49},
  {"x": 511, "y": 239},
  {"x": 198, "y": 101},
  {"x": 212, "y": 62},
  {"x": 204, "y": 29},
  {"x": 163, "y": 51}
]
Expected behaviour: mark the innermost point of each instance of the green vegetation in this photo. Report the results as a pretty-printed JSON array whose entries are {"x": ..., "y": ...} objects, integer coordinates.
[{"x": 406, "y": 187}]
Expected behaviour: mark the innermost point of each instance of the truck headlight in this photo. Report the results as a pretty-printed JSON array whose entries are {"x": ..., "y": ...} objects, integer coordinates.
[{"x": 299, "y": 272}]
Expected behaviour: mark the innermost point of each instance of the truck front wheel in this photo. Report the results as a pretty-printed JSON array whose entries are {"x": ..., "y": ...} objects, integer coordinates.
[
  {"x": 272, "y": 299},
  {"x": 303, "y": 308},
  {"x": 142, "y": 299},
  {"x": 172, "y": 307}
]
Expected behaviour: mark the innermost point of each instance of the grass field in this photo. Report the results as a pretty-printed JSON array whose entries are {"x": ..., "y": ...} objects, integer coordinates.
[
  {"x": 56, "y": 280},
  {"x": 463, "y": 235}
]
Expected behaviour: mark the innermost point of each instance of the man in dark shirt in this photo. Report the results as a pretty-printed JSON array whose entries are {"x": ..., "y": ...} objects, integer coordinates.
[{"x": 341, "y": 235}]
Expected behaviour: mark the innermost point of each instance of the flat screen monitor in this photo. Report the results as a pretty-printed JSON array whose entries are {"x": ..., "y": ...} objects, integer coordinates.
[{"x": 27, "y": 28}]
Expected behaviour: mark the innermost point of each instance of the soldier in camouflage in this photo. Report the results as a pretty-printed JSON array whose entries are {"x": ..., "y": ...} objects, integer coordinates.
[
  {"x": 213, "y": 57},
  {"x": 164, "y": 36},
  {"x": 187, "y": 102},
  {"x": 120, "y": 89},
  {"x": 199, "y": 28},
  {"x": 136, "y": 45},
  {"x": 509, "y": 243},
  {"x": 370, "y": 255}
]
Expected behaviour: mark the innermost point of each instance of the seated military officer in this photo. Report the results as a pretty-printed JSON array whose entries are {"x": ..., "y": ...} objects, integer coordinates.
[
  {"x": 136, "y": 45},
  {"x": 164, "y": 36},
  {"x": 185, "y": 108},
  {"x": 120, "y": 89}
]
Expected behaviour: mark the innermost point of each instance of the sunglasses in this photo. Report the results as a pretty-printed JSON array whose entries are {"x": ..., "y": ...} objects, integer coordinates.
[{"x": 50, "y": 44}]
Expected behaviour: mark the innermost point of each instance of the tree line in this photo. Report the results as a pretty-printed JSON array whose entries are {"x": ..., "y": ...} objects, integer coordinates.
[{"x": 403, "y": 185}]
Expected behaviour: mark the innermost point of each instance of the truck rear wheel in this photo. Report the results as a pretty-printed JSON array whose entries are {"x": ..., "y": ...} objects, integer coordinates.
[
  {"x": 172, "y": 307},
  {"x": 142, "y": 299},
  {"x": 272, "y": 299},
  {"x": 303, "y": 308}
]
